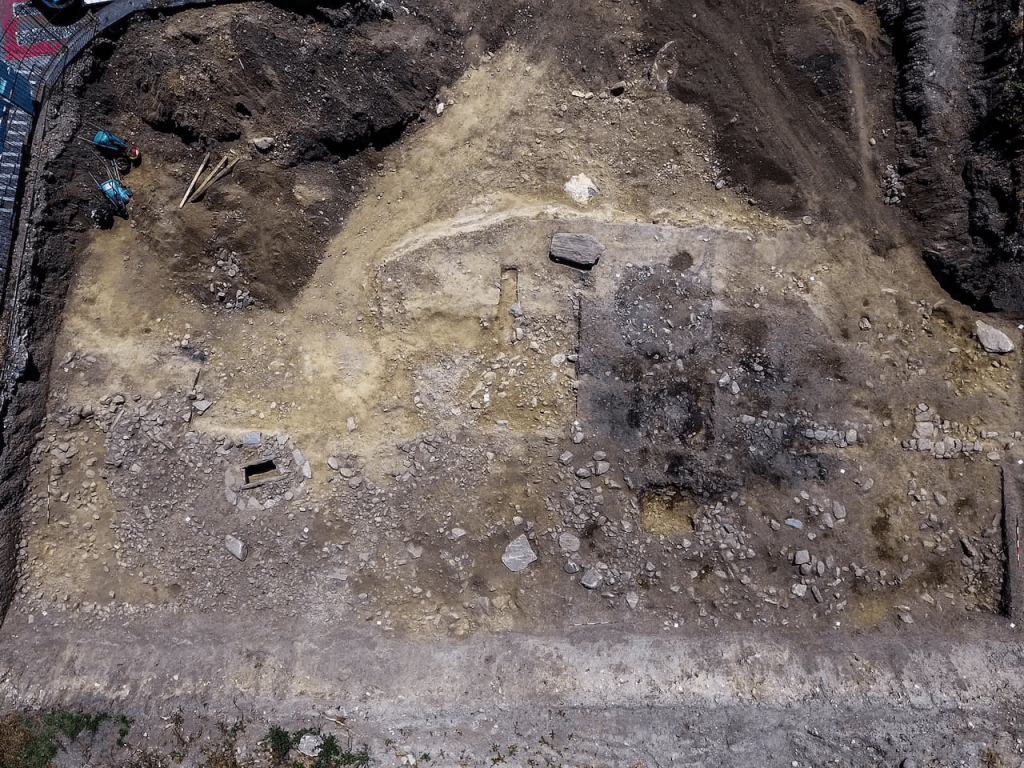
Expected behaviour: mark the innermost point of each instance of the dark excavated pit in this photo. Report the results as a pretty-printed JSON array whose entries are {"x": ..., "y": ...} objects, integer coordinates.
[{"x": 260, "y": 472}]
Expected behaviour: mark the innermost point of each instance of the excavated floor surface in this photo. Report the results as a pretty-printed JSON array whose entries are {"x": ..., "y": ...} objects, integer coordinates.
[{"x": 757, "y": 423}]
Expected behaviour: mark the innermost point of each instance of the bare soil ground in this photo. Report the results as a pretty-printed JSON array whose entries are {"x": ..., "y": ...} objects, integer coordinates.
[{"x": 757, "y": 422}]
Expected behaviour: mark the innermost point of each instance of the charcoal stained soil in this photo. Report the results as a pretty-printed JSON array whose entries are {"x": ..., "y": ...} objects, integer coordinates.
[{"x": 757, "y": 449}]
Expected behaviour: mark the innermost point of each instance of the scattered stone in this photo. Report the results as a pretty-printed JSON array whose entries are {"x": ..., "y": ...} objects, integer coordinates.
[
  {"x": 415, "y": 551},
  {"x": 236, "y": 547},
  {"x": 792, "y": 522},
  {"x": 801, "y": 556},
  {"x": 350, "y": 423},
  {"x": 632, "y": 599},
  {"x": 993, "y": 340},
  {"x": 799, "y": 590},
  {"x": 865, "y": 324},
  {"x": 566, "y": 457},
  {"x": 458, "y": 533},
  {"x": 518, "y": 554},
  {"x": 202, "y": 406},
  {"x": 968, "y": 547},
  {"x": 571, "y": 567},
  {"x": 576, "y": 250},
  {"x": 906, "y": 618},
  {"x": 618, "y": 89},
  {"x": 569, "y": 542},
  {"x": 592, "y": 578},
  {"x": 310, "y": 744}
]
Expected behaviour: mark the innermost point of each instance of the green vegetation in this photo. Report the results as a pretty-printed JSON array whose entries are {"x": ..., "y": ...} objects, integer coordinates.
[
  {"x": 33, "y": 740},
  {"x": 125, "y": 723},
  {"x": 331, "y": 755}
]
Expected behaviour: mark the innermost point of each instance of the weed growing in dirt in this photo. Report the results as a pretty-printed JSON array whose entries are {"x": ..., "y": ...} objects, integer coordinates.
[
  {"x": 32, "y": 740},
  {"x": 331, "y": 754},
  {"x": 279, "y": 741},
  {"x": 125, "y": 724}
]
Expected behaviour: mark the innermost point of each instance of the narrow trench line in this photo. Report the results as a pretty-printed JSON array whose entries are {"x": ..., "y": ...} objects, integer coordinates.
[
  {"x": 508, "y": 295},
  {"x": 579, "y": 346}
]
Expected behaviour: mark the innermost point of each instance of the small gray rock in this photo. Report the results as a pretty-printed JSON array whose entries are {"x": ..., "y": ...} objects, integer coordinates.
[
  {"x": 202, "y": 406},
  {"x": 632, "y": 599},
  {"x": 264, "y": 144},
  {"x": 792, "y": 522},
  {"x": 801, "y": 557},
  {"x": 993, "y": 340},
  {"x": 236, "y": 547},
  {"x": 569, "y": 542},
  {"x": 968, "y": 547},
  {"x": 799, "y": 590},
  {"x": 582, "y": 251},
  {"x": 518, "y": 554},
  {"x": 571, "y": 567},
  {"x": 592, "y": 578}
]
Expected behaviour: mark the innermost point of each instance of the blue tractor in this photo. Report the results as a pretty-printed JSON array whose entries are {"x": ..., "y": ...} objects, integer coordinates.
[{"x": 115, "y": 191}]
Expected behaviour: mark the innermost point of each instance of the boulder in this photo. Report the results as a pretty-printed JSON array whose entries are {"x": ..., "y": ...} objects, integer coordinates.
[
  {"x": 993, "y": 340},
  {"x": 581, "y": 251},
  {"x": 518, "y": 554}
]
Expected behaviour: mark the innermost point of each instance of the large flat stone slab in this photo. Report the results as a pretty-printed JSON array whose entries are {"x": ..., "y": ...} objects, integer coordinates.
[
  {"x": 576, "y": 250},
  {"x": 518, "y": 554}
]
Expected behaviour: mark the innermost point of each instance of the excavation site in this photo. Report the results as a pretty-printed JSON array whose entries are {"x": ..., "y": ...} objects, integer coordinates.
[{"x": 597, "y": 383}]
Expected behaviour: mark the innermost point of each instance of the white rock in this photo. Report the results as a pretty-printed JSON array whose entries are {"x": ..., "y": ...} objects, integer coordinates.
[
  {"x": 592, "y": 578},
  {"x": 518, "y": 554},
  {"x": 993, "y": 340},
  {"x": 632, "y": 599},
  {"x": 581, "y": 188},
  {"x": 310, "y": 744},
  {"x": 236, "y": 547}
]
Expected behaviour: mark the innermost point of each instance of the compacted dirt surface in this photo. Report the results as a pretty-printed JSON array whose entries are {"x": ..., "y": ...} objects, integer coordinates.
[{"x": 338, "y": 444}]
